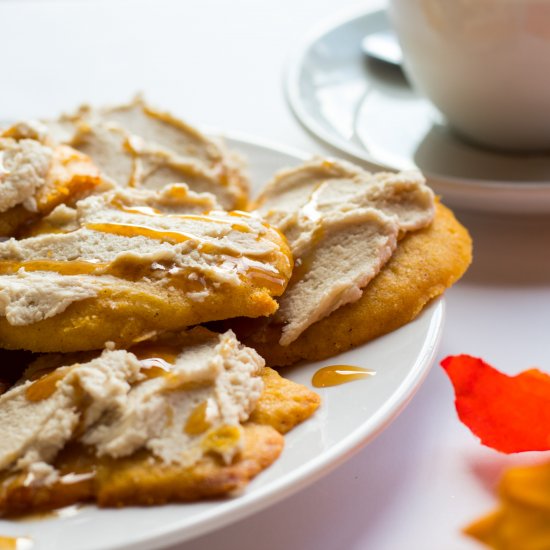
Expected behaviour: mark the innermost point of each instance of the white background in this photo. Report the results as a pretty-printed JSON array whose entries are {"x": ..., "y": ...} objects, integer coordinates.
[{"x": 220, "y": 64}]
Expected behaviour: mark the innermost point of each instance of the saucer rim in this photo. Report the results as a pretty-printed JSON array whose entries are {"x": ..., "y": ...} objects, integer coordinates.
[{"x": 510, "y": 192}]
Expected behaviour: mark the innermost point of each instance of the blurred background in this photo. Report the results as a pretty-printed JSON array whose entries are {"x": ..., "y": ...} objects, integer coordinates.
[{"x": 217, "y": 63}]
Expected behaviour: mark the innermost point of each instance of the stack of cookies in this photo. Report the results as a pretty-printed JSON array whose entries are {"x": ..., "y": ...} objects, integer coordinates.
[{"x": 148, "y": 291}]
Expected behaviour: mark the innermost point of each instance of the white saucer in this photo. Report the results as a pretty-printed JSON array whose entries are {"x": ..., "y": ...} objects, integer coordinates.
[{"x": 368, "y": 110}]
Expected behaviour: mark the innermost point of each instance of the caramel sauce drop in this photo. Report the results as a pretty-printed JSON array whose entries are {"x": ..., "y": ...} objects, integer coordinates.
[
  {"x": 197, "y": 423},
  {"x": 15, "y": 543},
  {"x": 154, "y": 368},
  {"x": 222, "y": 440},
  {"x": 165, "y": 353},
  {"x": 241, "y": 227},
  {"x": 45, "y": 386},
  {"x": 335, "y": 375},
  {"x": 156, "y": 359}
]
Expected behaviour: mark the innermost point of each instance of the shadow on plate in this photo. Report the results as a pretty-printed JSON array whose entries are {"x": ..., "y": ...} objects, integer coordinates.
[{"x": 442, "y": 151}]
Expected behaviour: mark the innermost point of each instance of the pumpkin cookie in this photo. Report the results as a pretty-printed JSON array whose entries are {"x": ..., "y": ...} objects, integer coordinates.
[
  {"x": 118, "y": 269},
  {"x": 424, "y": 264},
  {"x": 168, "y": 420}
]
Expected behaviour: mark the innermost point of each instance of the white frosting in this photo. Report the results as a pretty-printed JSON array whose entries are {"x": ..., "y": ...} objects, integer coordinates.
[
  {"x": 342, "y": 224},
  {"x": 34, "y": 431},
  {"x": 24, "y": 165},
  {"x": 135, "y": 145},
  {"x": 29, "y": 297},
  {"x": 125, "y": 411},
  {"x": 109, "y": 150},
  {"x": 161, "y": 130},
  {"x": 353, "y": 248},
  {"x": 154, "y": 418}
]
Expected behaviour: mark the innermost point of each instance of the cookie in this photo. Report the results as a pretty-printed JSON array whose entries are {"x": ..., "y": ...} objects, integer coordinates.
[
  {"x": 424, "y": 264},
  {"x": 118, "y": 269}
]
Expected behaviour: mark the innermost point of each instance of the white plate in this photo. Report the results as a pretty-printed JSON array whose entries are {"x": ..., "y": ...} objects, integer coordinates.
[
  {"x": 368, "y": 110},
  {"x": 350, "y": 416}
]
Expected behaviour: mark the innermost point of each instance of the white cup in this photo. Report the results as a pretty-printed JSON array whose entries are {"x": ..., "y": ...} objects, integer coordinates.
[{"x": 485, "y": 64}]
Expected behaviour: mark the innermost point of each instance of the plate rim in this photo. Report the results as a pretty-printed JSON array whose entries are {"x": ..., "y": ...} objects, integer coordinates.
[{"x": 291, "y": 73}]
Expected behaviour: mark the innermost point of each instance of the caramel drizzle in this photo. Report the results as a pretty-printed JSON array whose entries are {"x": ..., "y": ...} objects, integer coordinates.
[
  {"x": 157, "y": 360},
  {"x": 172, "y": 237},
  {"x": 142, "y": 210},
  {"x": 154, "y": 212},
  {"x": 335, "y": 375},
  {"x": 250, "y": 268},
  {"x": 254, "y": 270},
  {"x": 45, "y": 387},
  {"x": 72, "y": 267},
  {"x": 131, "y": 230},
  {"x": 205, "y": 245},
  {"x": 265, "y": 273},
  {"x": 197, "y": 422}
]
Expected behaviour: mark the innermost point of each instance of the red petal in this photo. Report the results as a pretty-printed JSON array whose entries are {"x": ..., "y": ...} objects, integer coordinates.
[{"x": 508, "y": 413}]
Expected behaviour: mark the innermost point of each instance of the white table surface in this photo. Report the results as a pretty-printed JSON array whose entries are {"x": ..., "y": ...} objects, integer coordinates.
[{"x": 219, "y": 63}]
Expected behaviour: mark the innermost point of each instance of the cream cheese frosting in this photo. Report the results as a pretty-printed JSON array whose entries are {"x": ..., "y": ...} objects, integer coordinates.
[
  {"x": 161, "y": 129},
  {"x": 120, "y": 236},
  {"x": 138, "y": 146},
  {"x": 178, "y": 401},
  {"x": 109, "y": 148},
  {"x": 175, "y": 198},
  {"x": 24, "y": 165},
  {"x": 29, "y": 297},
  {"x": 342, "y": 224}
]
